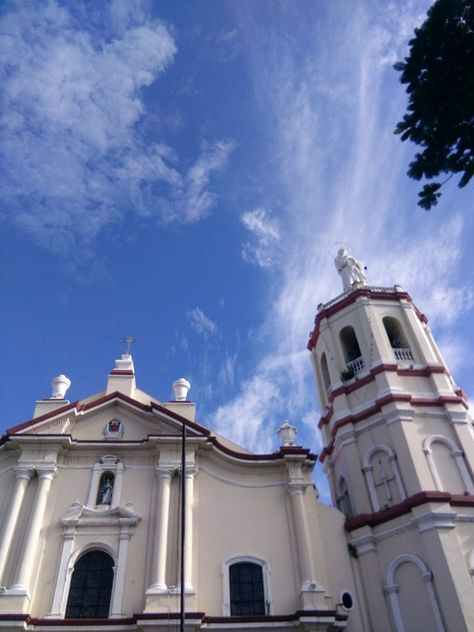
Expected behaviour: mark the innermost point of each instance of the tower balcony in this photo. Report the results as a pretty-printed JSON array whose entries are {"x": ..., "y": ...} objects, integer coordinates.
[
  {"x": 356, "y": 365},
  {"x": 403, "y": 354}
]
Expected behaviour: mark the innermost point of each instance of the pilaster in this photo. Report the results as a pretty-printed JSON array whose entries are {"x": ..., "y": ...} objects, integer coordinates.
[
  {"x": 26, "y": 564},
  {"x": 312, "y": 594},
  {"x": 23, "y": 476}
]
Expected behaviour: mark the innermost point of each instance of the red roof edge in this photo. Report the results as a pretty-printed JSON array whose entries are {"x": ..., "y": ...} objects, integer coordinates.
[{"x": 394, "y": 295}]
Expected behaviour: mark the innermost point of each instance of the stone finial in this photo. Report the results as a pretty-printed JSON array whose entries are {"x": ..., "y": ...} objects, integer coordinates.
[
  {"x": 287, "y": 433},
  {"x": 59, "y": 386},
  {"x": 181, "y": 388}
]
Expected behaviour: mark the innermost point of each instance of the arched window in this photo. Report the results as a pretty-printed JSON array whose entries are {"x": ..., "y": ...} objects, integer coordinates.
[
  {"x": 342, "y": 499},
  {"x": 246, "y": 589},
  {"x": 325, "y": 372},
  {"x": 351, "y": 349},
  {"x": 447, "y": 465},
  {"x": 409, "y": 586},
  {"x": 383, "y": 477},
  {"x": 91, "y": 587},
  {"x": 397, "y": 338},
  {"x": 246, "y": 586},
  {"x": 105, "y": 489}
]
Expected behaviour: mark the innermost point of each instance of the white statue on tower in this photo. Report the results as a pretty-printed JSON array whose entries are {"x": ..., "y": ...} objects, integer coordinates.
[{"x": 351, "y": 270}]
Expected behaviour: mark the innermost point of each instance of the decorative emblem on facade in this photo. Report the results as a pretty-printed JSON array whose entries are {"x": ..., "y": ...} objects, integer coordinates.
[{"x": 114, "y": 429}]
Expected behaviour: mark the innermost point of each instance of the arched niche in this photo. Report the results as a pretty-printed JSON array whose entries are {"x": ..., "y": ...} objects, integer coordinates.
[
  {"x": 325, "y": 372},
  {"x": 343, "y": 499},
  {"x": 105, "y": 489},
  {"x": 413, "y": 601},
  {"x": 447, "y": 465}
]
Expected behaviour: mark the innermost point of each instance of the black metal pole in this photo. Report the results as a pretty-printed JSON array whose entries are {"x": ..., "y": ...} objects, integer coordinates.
[{"x": 183, "y": 525}]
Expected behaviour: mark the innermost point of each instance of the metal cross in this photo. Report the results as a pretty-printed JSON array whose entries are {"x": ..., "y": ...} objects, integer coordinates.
[{"x": 129, "y": 342}]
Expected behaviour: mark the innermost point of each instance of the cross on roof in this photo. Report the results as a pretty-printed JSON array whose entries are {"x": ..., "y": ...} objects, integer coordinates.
[{"x": 129, "y": 340}]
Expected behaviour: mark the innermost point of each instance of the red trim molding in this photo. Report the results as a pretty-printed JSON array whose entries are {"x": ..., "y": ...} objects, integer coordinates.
[
  {"x": 384, "y": 515},
  {"x": 376, "y": 407},
  {"x": 198, "y": 617},
  {"x": 121, "y": 372},
  {"x": 426, "y": 371},
  {"x": 299, "y": 614},
  {"x": 351, "y": 298},
  {"x": 77, "y": 407}
]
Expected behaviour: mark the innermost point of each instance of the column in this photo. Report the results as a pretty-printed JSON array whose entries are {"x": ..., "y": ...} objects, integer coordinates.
[
  {"x": 25, "y": 566},
  {"x": 23, "y": 477},
  {"x": 120, "y": 568},
  {"x": 160, "y": 537},
  {"x": 190, "y": 473}
]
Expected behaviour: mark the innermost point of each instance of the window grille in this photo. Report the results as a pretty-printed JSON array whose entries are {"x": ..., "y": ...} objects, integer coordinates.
[
  {"x": 247, "y": 595},
  {"x": 91, "y": 587}
]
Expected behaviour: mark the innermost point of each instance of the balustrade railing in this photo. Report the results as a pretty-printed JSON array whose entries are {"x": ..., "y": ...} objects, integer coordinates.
[
  {"x": 403, "y": 354},
  {"x": 338, "y": 298},
  {"x": 356, "y": 365}
]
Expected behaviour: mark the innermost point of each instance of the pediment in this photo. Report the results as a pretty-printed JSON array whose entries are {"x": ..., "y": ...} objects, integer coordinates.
[
  {"x": 110, "y": 419},
  {"x": 118, "y": 422},
  {"x": 79, "y": 515}
]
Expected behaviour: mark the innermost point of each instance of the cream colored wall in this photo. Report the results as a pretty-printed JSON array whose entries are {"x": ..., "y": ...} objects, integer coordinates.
[
  {"x": 234, "y": 520},
  {"x": 136, "y": 427},
  {"x": 445, "y": 553},
  {"x": 240, "y": 508},
  {"x": 341, "y": 566}
]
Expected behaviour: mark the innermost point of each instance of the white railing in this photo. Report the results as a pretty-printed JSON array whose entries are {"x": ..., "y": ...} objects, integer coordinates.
[
  {"x": 356, "y": 365},
  {"x": 403, "y": 354},
  {"x": 338, "y": 298}
]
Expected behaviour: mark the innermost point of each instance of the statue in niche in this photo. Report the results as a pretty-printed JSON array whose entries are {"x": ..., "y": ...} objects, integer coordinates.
[
  {"x": 106, "y": 487},
  {"x": 351, "y": 270}
]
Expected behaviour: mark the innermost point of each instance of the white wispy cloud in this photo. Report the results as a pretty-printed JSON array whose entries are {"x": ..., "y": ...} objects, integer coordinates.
[
  {"x": 452, "y": 350},
  {"x": 244, "y": 419},
  {"x": 74, "y": 155},
  {"x": 227, "y": 370},
  {"x": 266, "y": 234},
  {"x": 331, "y": 113},
  {"x": 203, "y": 325},
  {"x": 191, "y": 199}
]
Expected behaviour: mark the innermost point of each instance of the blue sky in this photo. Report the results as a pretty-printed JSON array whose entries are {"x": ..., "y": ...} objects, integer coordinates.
[{"x": 185, "y": 173}]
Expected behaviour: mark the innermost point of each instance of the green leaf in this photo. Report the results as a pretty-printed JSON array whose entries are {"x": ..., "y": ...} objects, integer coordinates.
[{"x": 429, "y": 195}]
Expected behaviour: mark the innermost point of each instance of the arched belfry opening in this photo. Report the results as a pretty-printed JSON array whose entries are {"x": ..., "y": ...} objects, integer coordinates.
[
  {"x": 351, "y": 349},
  {"x": 397, "y": 338}
]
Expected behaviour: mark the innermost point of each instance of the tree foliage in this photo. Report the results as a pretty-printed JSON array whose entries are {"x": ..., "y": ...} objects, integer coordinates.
[{"x": 439, "y": 73}]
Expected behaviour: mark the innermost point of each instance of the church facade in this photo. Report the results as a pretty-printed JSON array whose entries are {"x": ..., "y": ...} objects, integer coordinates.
[
  {"x": 94, "y": 495},
  {"x": 91, "y": 511}
]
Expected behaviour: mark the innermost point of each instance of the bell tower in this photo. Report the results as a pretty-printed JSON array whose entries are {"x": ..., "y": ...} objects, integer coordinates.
[{"x": 398, "y": 453}]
